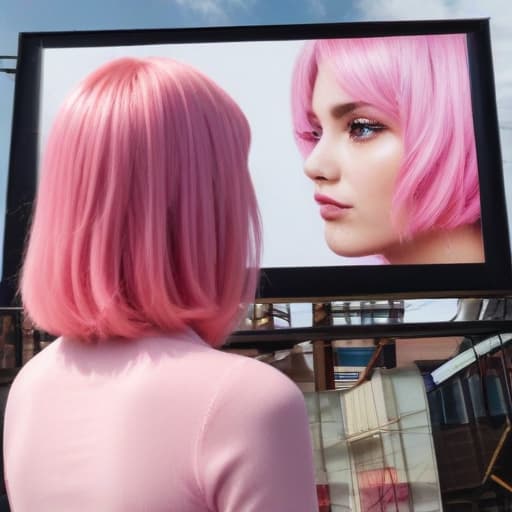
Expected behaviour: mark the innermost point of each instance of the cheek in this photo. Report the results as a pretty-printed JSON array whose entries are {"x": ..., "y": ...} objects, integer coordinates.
[{"x": 379, "y": 166}]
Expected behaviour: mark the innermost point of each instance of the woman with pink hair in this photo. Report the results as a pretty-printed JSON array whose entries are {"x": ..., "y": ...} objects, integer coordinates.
[
  {"x": 385, "y": 126},
  {"x": 144, "y": 247}
]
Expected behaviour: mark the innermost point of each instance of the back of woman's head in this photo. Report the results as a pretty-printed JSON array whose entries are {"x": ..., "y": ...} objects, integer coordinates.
[
  {"x": 422, "y": 83},
  {"x": 145, "y": 218}
]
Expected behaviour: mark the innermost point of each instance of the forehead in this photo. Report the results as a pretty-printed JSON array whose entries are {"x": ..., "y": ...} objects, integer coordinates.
[
  {"x": 327, "y": 91},
  {"x": 330, "y": 100}
]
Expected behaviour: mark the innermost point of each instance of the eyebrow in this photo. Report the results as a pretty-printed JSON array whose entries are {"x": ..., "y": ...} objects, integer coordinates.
[{"x": 342, "y": 109}]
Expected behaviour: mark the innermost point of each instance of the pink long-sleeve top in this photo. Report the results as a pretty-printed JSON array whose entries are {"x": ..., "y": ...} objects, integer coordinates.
[{"x": 156, "y": 424}]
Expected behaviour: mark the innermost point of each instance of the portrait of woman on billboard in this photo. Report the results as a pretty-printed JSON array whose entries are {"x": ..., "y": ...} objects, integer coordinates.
[{"x": 385, "y": 127}]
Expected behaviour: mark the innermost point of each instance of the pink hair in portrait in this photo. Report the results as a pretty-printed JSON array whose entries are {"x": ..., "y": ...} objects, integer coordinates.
[
  {"x": 146, "y": 217},
  {"x": 422, "y": 83}
]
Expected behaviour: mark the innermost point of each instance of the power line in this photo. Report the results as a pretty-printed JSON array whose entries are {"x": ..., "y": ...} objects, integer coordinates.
[{"x": 11, "y": 70}]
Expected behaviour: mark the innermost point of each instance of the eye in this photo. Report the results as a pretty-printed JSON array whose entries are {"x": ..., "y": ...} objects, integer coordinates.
[
  {"x": 312, "y": 135},
  {"x": 316, "y": 133},
  {"x": 362, "y": 129}
]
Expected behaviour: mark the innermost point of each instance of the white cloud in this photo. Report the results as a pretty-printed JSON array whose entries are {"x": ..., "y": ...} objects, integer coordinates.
[
  {"x": 414, "y": 9},
  {"x": 206, "y": 8},
  {"x": 214, "y": 10},
  {"x": 317, "y": 8},
  {"x": 242, "y": 4}
]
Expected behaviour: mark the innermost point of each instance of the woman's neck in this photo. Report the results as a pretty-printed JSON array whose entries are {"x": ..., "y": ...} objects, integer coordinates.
[{"x": 463, "y": 244}]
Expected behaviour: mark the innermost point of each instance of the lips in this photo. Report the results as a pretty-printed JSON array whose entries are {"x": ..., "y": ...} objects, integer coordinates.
[{"x": 331, "y": 209}]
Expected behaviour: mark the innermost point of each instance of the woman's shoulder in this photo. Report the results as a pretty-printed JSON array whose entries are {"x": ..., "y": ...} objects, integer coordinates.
[
  {"x": 38, "y": 362},
  {"x": 250, "y": 381},
  {"x": 235, "y": 366},
  {"x": 37, "y": 369}
]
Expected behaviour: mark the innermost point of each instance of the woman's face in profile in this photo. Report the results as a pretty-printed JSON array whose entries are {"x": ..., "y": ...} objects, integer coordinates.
[{"x": 354, "y": 164}]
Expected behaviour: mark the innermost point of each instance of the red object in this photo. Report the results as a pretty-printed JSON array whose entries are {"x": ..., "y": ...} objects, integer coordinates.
[
  {"x": 380, "y": 487},
  {"x": 324, "y": 499}
]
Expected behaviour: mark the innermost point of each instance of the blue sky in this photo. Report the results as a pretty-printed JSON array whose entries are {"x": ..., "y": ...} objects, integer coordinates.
[{"x": 54, "y": 15}]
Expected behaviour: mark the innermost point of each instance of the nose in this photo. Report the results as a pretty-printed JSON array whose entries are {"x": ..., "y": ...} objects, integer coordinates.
[{"x": 321, "y": 164}]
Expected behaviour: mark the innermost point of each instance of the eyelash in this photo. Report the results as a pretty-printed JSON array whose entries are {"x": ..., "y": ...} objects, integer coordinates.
[
  {"x": 363, "y": 123},
  {"x": 359, "y": 123},
  {"x": 312, "y": 135}
]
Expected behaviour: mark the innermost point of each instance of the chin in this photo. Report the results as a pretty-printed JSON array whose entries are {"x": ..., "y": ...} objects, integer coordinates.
[
  {"x": 351, "y": 252},
  {"x": 359, "y": 246}
]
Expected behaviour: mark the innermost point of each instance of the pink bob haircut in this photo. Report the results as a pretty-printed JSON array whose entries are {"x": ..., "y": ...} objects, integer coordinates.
[
  {"x": 146, "y": 219},
  {"x": 422, "y": 83}
]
